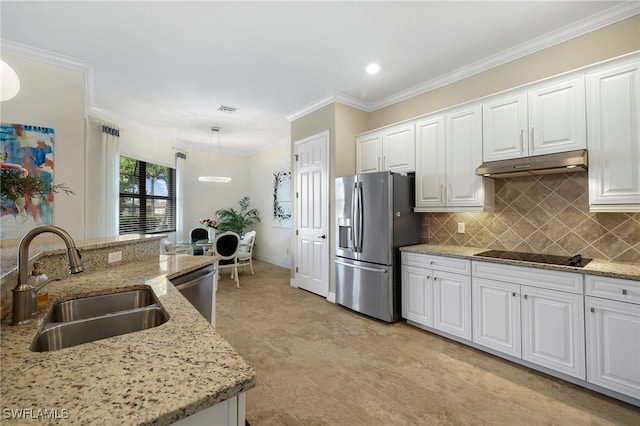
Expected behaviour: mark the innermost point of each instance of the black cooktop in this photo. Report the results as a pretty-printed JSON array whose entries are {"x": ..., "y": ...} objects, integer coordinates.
[{"x": 576, "y": 260}]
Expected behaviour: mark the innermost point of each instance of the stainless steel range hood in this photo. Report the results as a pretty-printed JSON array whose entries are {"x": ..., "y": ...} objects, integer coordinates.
[{"x": 562, "y": 162}]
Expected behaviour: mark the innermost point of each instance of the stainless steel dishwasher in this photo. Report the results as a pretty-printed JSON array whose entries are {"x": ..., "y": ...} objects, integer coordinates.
[{"x": 198, "y": 287}]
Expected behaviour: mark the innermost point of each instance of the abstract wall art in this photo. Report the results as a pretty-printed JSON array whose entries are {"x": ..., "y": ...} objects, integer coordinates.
[{"x": 27, "y": 168}]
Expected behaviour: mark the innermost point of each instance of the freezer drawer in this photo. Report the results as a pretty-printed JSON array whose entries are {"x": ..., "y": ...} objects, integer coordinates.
[{"x": 367, "y": 288}]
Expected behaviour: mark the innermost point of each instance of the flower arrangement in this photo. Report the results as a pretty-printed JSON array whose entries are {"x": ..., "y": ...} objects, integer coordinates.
[{"x": 210, "y": 223}]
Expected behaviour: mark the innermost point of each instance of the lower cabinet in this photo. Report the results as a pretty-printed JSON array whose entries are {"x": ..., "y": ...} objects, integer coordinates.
[
  {"x": 613, "y": 334},
  {"x": 584, "y": 327},
  {"x": 230, "y": 412},
  {"x": 432, "y": 296}
]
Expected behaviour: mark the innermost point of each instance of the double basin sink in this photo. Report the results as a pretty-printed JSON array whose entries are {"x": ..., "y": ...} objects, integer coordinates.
[{"x": 87, "y": 319}]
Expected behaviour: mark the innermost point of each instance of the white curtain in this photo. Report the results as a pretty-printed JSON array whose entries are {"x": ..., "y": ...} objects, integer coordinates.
[
  {"x": 181, "y": 162},
  {"x": 111, "y": 161}
]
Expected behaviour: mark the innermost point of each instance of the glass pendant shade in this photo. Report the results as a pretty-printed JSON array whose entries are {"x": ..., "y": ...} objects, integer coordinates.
[{"x": 10, "y": 82}]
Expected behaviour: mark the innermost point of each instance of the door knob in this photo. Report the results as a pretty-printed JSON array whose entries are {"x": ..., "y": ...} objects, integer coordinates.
[{"x": 322, "y": 236}]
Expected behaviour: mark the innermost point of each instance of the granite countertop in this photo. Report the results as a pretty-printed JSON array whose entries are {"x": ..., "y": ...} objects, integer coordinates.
[
  {"x": 630, "y": 271},
  {"x": 154, "y": 376}
]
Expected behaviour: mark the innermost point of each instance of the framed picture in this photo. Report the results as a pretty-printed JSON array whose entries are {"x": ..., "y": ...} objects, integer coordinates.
[
  {"x": 282, "y": 198},
  {"x": 27, "y": 163}
]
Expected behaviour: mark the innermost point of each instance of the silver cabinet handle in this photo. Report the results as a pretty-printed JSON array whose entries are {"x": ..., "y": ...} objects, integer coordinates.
[
  {"x": 449, "y": 192},
  {"x": 442, "y": 192},
  {"x": 526, "y": 297},
  {"x": 522, "y": 140},
  {"x": 624, "y": 291},
  {"x": 592, "y": 309},
  {"x": 514, "y": 294}
]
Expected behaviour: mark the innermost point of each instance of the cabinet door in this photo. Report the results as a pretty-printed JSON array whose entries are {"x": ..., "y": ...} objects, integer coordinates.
[
  {"x": 557, "y": 119},
  {"x": 496, "y": 315},
  {"x": 464, "y": 155},
  {"x": 368, "y": 153},
  {"x": 504, "y": 127},
  {"x": 430, "y": 164},
  {"x": 452, "y": 299},
  {"x": 417, "y": 295},
  {"x": 613, "y": 107},
  {"x": 613, "y": 345},
  {"x": 398, "y": 148},
  {"x": 553, "y": 330}
]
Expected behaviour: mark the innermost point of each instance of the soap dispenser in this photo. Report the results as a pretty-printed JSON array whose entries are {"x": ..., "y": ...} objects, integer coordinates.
[{"x": 37, "y": 279}]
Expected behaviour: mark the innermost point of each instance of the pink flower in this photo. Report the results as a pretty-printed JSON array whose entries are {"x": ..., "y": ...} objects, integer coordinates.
[{"x": 210, "y": 223}]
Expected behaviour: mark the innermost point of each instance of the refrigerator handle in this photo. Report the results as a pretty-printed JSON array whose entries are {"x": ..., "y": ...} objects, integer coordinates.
[
  {"x": 364, "y": 268},
  {"x": 354, "y": 203},
  {"x": 359, "y": 218}
]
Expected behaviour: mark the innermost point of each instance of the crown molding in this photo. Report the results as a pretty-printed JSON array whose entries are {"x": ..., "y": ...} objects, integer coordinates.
[
  {"x": 328, "y": 100},
  {"x": 579, "y": 28},
  {"x": 37, "y": 54}
]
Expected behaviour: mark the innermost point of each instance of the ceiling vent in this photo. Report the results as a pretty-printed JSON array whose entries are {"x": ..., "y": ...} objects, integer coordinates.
[{"x": 225, "y": 108}]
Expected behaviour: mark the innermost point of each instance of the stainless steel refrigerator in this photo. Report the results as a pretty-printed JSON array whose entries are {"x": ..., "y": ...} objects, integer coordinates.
[{"x": 374, "y": 217}]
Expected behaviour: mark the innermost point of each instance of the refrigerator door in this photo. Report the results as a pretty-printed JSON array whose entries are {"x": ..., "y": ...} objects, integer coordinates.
[
  {"x": 364, "y": 217},
  {"x": 367, "y": 288}
]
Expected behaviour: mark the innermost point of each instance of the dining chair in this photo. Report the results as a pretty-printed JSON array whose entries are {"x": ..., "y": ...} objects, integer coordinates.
[
  {"x": 245, "y": 253},
  {"x": 195, "y": 235},
  {"x": 226, "y": 248}
]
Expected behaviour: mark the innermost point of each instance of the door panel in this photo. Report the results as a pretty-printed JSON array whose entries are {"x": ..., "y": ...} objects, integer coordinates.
[
  {"x": 452, "y": 296},
  {"x": 376, "y": 218},
  {"x": 312, "y": 257}
]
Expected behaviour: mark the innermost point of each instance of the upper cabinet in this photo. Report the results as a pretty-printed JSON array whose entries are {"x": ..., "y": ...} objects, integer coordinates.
[
  {"x": 613, "y": 111},
  {"x": 542, "y": 119},
  {"x": 389, "y": 149},
  {"x": 448, "y": 150}
]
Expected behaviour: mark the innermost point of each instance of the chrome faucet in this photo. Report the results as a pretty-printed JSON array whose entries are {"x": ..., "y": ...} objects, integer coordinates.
[{"x": 23, "y": 306}]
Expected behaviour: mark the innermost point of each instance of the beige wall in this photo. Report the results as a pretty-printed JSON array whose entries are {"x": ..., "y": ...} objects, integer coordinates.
[
  {"x": 54, "y": 96},
  {"x": 348, "y": 123},
  {"x": 609, "y": 42}
]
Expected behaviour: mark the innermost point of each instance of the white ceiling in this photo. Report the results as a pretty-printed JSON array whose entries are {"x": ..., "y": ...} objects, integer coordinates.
[{"x": 166, "y": 66}]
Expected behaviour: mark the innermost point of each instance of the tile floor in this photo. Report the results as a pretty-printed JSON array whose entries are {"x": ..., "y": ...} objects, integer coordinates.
[{"x": 318, "y": 363}]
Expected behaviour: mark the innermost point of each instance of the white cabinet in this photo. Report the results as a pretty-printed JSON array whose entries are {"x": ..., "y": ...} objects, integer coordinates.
[
  {"x": 613, "y": 334},
  {"x": 553, "y": 330},
  {"x": 613, "y": 111},
  {"x": 389, "y": 149},
  {"x": 531, "y": 313},
  {"x": 496, "y": 315},
  {"x": 436, "y": 292},
  {"x": 448, "y": 150},
  {"x": 543, "y": 119},
  {"x": 230, "y": 412}
]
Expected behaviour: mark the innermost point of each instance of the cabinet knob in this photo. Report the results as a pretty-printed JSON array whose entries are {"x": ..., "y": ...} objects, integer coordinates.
[
  {"x": 514, "y": 294},
  {"x": 526, "y": 297},
  {"x": 432, "y": 262},
  {"x": 624, "y": 292},
  {"x": 592, "y": 309}
]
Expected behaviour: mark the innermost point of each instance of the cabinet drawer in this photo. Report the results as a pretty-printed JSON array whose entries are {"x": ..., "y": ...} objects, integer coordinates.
[
  {"x": 613, "y": 288},
  {"x": 534, "y": 277},
  {"x": 438, "y": 263}
]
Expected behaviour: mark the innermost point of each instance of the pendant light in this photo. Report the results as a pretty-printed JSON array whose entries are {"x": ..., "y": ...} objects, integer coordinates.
[
  {"x": 10, "y": 85},
  {"x": 218, "y": 179}
]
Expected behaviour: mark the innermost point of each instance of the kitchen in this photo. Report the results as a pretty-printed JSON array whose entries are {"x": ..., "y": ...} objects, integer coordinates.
[{"x": 345, "y": 122}]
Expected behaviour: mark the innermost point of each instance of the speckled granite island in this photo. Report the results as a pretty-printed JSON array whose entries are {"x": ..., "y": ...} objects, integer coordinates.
[{"x": 154, "y": 376}]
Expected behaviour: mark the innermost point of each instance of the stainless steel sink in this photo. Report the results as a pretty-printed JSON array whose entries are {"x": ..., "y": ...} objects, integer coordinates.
[
  {"x": 77, "y": 321},
  {"x": 94, "y": 306}
]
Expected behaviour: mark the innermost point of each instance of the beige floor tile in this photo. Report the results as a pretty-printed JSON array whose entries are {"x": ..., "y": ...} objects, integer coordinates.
[{"x": 320, "y": 364}]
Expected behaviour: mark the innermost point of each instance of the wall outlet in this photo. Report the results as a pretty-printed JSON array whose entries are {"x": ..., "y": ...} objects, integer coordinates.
[
  {"x": 460, "y": 228},
  {"x": 116, "y": 256}
]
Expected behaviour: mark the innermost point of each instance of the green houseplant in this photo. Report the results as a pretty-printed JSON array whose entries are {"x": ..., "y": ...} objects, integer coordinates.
[{"x": 237, "y": 220}]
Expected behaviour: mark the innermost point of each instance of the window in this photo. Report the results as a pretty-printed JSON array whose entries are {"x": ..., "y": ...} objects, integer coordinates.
[{"x": 147, "y": 197}]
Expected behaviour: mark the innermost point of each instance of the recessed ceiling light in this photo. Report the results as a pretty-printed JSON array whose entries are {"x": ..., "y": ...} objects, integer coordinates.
[{"x": 373, "y": 69}]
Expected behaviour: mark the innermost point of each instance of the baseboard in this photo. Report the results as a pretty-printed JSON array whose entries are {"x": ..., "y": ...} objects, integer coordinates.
[
  {"x": 281, "y": 263},
  {"x": 331, "y": 297},
  {"x": 292, "y": 283}
]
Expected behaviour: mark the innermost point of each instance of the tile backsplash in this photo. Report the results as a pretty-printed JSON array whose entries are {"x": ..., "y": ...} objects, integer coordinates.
[{"x": 547, "y": 214}]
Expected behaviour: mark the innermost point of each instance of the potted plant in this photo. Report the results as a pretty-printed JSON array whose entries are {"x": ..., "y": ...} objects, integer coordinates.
[{"x": 237, "y": 220}]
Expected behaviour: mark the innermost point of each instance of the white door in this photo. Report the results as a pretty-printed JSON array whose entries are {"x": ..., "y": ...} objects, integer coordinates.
[
  {"x": 399, "y": 148},
  {"x": 557, "y": 118},
  {"x": 496, "y": 315},
  {"x": 312, "y": 181},
  {"x": 430, "y": 162},
  {"x": 613, "y": 345},
  {"x": 553, "y": 330},
  {"x": 417, "y": 295},
  {"x": 452, "y": 298},
  {"x": 368, "y": 153},
  {"x": 463, "y": 130}
]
